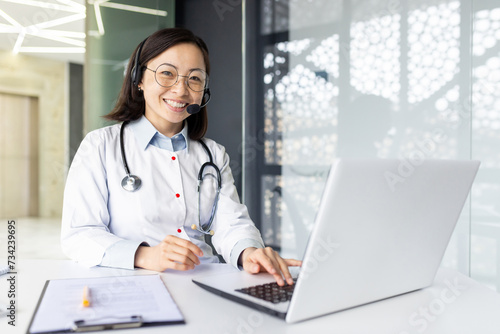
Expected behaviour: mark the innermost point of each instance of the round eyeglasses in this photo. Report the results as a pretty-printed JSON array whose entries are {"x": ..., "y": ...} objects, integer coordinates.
[{"x": 166, "y": 75}]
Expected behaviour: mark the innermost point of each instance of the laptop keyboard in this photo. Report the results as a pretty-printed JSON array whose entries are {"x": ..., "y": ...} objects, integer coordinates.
[{"x": 270, "y": 292}]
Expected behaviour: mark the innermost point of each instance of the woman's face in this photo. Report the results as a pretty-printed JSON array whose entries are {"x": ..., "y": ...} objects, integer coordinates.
[{"x": 166, "y": 106}]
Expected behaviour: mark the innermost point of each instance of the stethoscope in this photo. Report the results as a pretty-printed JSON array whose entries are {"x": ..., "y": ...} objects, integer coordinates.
[{"x": 132, "y": 183}]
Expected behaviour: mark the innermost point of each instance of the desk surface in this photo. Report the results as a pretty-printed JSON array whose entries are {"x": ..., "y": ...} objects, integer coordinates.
[{"x": 454, "y": 304}]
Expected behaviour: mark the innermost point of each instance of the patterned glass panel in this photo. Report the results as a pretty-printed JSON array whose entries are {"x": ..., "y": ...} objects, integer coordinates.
[{"x": 387, "y": 79}]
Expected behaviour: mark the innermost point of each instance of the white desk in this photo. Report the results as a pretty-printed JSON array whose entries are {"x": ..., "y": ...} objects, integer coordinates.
[{"x": 454, "y": 304}]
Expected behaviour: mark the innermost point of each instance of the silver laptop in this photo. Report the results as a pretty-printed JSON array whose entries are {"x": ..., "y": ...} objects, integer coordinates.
[{"x": 381, "y": 230}]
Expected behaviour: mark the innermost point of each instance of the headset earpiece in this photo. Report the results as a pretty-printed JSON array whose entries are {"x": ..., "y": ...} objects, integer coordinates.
[
  {"x": 206, "y": 96},
  {"x": 136, "y": 70}
]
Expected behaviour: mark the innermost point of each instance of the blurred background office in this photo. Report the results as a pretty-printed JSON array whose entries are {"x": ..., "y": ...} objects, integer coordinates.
[{"x": 295, "y": 83}]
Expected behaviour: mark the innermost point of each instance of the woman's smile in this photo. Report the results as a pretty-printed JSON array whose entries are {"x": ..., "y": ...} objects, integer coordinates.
[{"x": 175, "y": 105}]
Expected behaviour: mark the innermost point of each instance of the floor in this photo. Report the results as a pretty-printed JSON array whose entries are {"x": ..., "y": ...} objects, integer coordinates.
[{"x": 36, "y": 238}]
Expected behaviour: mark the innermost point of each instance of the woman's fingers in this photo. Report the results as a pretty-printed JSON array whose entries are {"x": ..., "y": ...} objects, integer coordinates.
[
  {"x": 179, "y": 254},
  {"x": 266, "y": 259}
]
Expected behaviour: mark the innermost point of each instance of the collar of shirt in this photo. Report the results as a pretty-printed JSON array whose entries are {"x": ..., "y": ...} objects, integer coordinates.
[{"x": 146, "y": 134}]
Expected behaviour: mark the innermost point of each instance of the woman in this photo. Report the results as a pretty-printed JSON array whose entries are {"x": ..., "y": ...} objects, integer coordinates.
[{"x": 153, "y": 222}]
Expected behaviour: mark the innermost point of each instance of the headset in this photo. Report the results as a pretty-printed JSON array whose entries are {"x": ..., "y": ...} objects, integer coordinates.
[{"x": 136, "y": 76}]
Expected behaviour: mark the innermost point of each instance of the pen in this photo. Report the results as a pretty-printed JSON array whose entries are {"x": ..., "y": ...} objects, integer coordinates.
[{"x": 86, "y": 296}]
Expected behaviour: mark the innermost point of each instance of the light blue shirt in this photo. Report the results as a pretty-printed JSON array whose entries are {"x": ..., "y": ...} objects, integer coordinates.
[
  {"x": 104, "y": 224},
  {"x": 146, "y": 134}
]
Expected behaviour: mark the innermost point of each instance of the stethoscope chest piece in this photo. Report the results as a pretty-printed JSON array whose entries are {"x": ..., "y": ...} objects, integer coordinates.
[{"x": 131, "y": 183}]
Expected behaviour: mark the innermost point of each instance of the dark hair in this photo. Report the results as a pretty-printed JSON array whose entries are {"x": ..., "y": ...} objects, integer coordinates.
[{"x": 130, "y": 105}]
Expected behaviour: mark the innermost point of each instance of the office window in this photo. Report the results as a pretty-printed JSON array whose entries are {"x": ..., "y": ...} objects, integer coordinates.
[
  {"x": 114, "y": 30},
  {"x": 485, "y": 124},
  {"x": 384, "y": 79}
]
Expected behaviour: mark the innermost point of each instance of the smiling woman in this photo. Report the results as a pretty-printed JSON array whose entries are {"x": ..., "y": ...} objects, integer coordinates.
[
  {"x": 142, "y": 94},
  {"x": 157, "y": 223},
  {"x": 166, "y": 107}
]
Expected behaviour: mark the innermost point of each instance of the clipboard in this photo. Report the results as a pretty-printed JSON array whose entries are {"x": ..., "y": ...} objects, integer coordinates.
[{"x": 116, "y": 302}]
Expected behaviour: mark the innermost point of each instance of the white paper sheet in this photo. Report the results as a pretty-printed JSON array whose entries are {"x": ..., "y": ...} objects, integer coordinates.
[{"x": 112, "y": 299}]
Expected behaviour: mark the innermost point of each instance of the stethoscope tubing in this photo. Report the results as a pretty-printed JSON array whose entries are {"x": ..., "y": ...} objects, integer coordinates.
[{"x": 132, "y": 183}]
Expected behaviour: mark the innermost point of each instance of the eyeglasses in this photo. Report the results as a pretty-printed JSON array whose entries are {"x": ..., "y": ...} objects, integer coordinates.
[{"x": 166, "y": 75}]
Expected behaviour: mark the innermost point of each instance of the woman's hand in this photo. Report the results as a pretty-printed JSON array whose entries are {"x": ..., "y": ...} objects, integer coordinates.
[
  {"x": 171, "y": 253},
  {"x": 255, "y": 260}
]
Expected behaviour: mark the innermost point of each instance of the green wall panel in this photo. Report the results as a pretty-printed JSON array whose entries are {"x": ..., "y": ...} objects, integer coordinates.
[{"x": 109, "y": 47}]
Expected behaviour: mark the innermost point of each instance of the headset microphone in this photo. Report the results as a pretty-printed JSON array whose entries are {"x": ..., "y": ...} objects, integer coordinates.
[{"x": 195, "y": 108}]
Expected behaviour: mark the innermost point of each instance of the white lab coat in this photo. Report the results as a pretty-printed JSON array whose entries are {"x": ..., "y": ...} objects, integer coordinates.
[{"x": 99, "y": 214}]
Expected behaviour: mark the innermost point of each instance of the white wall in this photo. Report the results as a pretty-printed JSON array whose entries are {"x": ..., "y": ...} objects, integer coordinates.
[{"x": 45, "y": 80}]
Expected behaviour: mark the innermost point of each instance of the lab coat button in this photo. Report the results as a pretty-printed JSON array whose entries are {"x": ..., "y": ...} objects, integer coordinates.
[
  {"x": 173, "y": 158},
  {"x": 179, "y": 230},
  {"x": 177, "y": 195}
]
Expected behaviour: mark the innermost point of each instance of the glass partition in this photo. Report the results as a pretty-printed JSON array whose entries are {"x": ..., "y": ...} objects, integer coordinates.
[
  {"x": 114, "y": 29},
  {"x": 386, "y": 79},
  {"x": 485, "y": 124}
]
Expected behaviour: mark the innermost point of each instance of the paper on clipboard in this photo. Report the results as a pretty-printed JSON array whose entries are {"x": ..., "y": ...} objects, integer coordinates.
[{"x": 113, "y": 300}]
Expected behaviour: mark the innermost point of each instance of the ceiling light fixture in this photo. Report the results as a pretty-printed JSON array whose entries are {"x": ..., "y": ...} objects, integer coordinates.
[
  {"x": 134, "y": 9},
  {"x": 19, "y": 42},
  {"x": 57, "y": 22},
  {"x": 48, "y": 5},
  {"x": 61, "y": 12},
  {"x": 74, "y": 4},
  {"x": 51, "y": 50},
  {"x": 9, "y": 19},
  {"x": 64, "y": 33},
  {"x": 98, "y": 17},
  {"x": 61, "y": 39},
  {"x": 105, "y": 3},
  {"x": 68, "y": 11}
]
